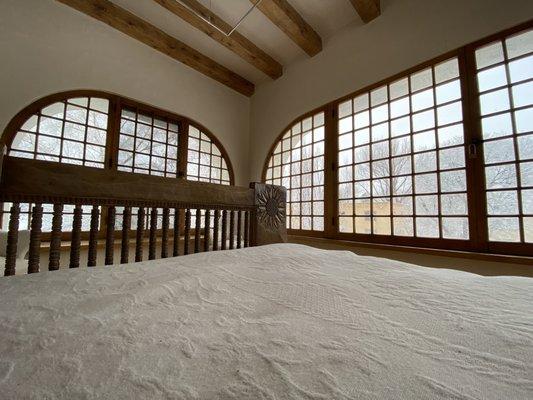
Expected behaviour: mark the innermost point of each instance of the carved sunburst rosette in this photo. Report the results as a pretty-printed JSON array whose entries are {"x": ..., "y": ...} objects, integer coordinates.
[{"x": 271, "y": 206}]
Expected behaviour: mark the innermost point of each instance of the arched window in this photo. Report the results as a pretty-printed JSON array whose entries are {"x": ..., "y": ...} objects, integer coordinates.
[
  {"x": 101, "y": 130},
  {"x": 205, "y": 161},
  {"x": 71, "y": 131},
  {"x": 297, "y": 162}
]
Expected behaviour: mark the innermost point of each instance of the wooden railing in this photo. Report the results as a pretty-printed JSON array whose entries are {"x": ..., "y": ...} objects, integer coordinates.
[{"x": 225, "y": 217}]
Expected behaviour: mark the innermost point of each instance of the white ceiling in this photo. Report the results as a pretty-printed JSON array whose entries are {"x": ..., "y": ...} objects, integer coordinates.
[{"x": 325, "y": 16}]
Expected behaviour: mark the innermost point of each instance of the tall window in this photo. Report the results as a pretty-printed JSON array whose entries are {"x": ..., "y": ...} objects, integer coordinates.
[
  {"x": 205, "y": 162},
  {"x": 297, "y": 163},
  {"x": 505, "y": 89},
  {"x": 402, "y": 158},
  {"x": 71, "y": 131},
  {"x": 438, "y": 156}
]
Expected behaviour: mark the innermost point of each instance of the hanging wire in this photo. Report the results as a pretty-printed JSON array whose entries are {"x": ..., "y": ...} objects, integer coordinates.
[{"x": 212, "y": 24}]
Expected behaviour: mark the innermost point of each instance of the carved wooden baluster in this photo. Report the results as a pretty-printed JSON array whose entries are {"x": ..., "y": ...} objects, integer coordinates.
[
  {"x": 231, "y": 230},
  {"x": 153, "y": 234},
  {"x": 187, "y": 231},
  {"x": 125, "y": 240},
  {"x": 141, "y": 215},
  {"x": 12, "y": 239},
  {"x": 93, "y": 237},
  {"x": 176, "y": 249},
  {"x": 75, "y": 240},
  {"x": 34, "y": 257},
  {"x": 164, "y": 233},
  {"x": 55, "y": 240},
  {"x": 224, "y": 229},
  {"x": 215, "y": 229},
  {"x": 246, "y": 228},
  {"x": 197, "y": 229},
  {"x": 239, "y": 228},
  {"x": 110, "y": 235},
  {"x": 207, "y": 227}
]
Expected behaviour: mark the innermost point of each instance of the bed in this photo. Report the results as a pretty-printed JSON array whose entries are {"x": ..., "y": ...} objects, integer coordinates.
[{"x": 280, "y": 321}]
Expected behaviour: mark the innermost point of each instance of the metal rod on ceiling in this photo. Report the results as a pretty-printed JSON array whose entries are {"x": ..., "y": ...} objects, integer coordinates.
[{"x": 213, "y": 25}]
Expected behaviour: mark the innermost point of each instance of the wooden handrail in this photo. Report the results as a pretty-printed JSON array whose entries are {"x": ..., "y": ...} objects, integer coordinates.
[{"x": 239, "y": 214}]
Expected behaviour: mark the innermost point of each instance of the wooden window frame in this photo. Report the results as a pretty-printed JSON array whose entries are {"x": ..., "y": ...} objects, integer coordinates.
[
  {"x": 116, "y": 105},
  {"x": 474, "y": 165}
]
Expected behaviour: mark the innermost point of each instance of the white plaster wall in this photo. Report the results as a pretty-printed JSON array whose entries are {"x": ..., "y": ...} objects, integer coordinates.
[
  {"x": 46, "y": 47},
  {"x": 407, "y": 33}
]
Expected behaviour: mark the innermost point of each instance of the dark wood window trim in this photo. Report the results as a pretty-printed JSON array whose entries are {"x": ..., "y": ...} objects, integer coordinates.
[
  {"x": 116, "y": 105},
  {"x": 475, "y": 171}
]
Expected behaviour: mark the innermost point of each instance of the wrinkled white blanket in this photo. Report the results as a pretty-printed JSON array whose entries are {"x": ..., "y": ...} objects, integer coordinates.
[{"x": 274, "y": 322}]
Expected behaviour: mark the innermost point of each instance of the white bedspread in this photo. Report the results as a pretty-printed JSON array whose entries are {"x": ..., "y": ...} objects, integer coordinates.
[{"x": 274, "y": 322}]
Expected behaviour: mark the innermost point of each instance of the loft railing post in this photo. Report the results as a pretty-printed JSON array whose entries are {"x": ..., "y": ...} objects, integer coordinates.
[
  {"x": 164, "y": 233},
  {"x": 197, "y": 228},
  {"x": 153, "y": 233},
  {"x": 176, "y": 242},
  {"x": 216, "y": 219},
  {"x": 110, "y": 235},
  {"x": 125, "y": 239},
  {"x": 55, "y": 241},
  {"x": 224, "y": 229},
  {"x": 246, "y": 228},
  {"x": 76, "y": 237},
  {"x": 12, "y": 239},
  {"x": 187, "y": 231},
  {"x": 231, "y": 230},
  {"x": 239, "y": 228},
  {"x": 35, "y": 239},
  {"x": 93, "y": 237},
  {"x": 207, "y": 229},
  {"x": 268, "y": 219},
  {"x": 141, "y": 216}
]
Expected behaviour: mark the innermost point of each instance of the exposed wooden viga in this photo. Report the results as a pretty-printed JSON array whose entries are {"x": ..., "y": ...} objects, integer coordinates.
[{"x": 206, "y": 217}]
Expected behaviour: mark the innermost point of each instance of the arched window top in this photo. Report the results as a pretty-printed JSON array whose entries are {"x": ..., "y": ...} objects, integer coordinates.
[
  {"x": 102, "y": 130},
  {"x": 296, "y": 161},
  {"x": 70, "y": 131}
]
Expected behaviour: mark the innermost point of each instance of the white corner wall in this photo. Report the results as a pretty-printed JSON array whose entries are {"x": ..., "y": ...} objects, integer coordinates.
[
  {"x": 47, "y": 47},
  {"x": 407, "y": 33}
]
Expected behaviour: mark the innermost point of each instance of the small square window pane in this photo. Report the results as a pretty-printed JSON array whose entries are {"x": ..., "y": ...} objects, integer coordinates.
[
  {"x": 523, "y": 94},
  {"x": 423, "y": 120},
  {"x": 427, "y": 227},
  {"x": 427, "y": 205},
  {"x": 448, "y": 92},
  {"x": 521, "y": 69},
  {"x": 422, "y": 100},
  {"x": 520, "y": 44},
  {"x": 501, "y": 176},
  {"x": 455, "y": 228},
  {"x": 451, "y": 135},
  {"x": 399, "y": 88},
  {"x": 453, "y": 181},
  {"x": 496, "y": 126},
  {"x": 504, "y": 229},
  {"x": 403, "y": 226},
  {"x": 382, "y": 225},
  {"x": 502, "y": 202},
  {"x": 452, "y": 158},
  {"x": 524, "y": 120},
  {"x": 489, "y": 55},
  {"x": 454, "y": 204},
  {"x": 492, "y": 78},
  {"x": 446, "y": 70},
  {"x": 493, "y": 102},
  {"x": 421, "y": 80},
  {"x": 450, "y": 113},
  {"x": 497, "y": 151}
]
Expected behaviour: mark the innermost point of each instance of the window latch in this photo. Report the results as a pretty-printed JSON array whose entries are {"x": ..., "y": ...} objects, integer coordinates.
[{"x": 472, "y": 150}]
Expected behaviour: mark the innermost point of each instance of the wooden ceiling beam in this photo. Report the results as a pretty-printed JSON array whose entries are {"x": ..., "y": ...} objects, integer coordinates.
[
  {"x": 137, "y": 28},
  {"x": 236, "y": 42},
  {"x": 367, "y": 9},
  {"x": 286, "y": 18}
]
